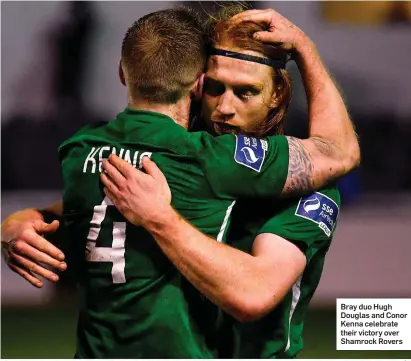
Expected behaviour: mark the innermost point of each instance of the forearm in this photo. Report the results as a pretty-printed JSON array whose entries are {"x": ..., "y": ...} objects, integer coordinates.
[
  {"x": 329, "y": 120},
  {"x": 231, "y": 279},
  {"x": 332, "y": 149}
]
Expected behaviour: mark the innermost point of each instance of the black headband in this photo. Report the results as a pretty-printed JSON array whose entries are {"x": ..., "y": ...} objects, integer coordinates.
[{"x": 278, "y": 64}]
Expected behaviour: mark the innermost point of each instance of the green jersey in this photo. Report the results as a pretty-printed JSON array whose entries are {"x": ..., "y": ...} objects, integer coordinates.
[
  {"x": 309, "y": 223},
  {"x": 133, "y": 301}
]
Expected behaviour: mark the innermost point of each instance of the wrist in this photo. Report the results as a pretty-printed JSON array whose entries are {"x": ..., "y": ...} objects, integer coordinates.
[
  {"x": 163, "y": 221},
  {"x": 303, "y": 46}
]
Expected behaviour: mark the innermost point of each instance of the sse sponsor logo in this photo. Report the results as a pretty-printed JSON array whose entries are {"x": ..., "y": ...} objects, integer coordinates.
[
  {"x": 319, "y": 209},
  {"x": 250, "y": 152}
]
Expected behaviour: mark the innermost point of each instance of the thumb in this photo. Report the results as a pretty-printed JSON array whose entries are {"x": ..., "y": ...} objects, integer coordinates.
[{"x": 42, "y": 227}]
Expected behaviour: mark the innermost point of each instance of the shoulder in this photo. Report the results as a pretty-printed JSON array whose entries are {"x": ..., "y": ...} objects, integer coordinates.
[
  {"x": 83, "y": 133},
  {"x": 309, "y": 221},
  {"x": 247, "y": 151}
]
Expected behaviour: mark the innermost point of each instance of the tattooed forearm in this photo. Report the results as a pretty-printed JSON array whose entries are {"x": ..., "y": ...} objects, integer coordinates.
[{"x": 300, "y": 168}]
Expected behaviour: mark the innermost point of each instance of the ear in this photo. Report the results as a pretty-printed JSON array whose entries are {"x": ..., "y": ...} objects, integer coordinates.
[
  {"x": 198, "y": 92},
  {"x": 275, "y": 101},
  {"x": 121, "y": 74},
  {"x": 276, "y": 98}
]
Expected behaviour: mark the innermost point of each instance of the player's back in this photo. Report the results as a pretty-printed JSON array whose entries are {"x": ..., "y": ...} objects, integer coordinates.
[{"x": 134, "y": 303}]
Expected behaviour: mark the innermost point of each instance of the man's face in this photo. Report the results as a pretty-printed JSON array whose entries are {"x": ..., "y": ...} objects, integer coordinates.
[{"x": 237, "y": 94}]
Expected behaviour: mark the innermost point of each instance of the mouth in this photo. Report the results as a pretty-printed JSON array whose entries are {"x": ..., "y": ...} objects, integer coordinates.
[{"x": 224, "y": 128}]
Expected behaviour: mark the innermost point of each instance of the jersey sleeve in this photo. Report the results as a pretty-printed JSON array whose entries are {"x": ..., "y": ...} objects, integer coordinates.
[
  {"x": 308, "y": 223},
  {"x": 244, "y": 166}
]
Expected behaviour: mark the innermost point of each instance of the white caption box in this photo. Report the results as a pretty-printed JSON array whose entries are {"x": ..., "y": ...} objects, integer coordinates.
[{"x": 374, "y": 324}]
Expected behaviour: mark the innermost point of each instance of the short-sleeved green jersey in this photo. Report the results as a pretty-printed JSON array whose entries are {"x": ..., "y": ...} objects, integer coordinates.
[
  {"x": 309, "y": 223},
  {"x": 133, "y": 301}
]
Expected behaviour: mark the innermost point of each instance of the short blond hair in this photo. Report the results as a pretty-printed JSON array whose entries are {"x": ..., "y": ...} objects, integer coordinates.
[{"x": 163, "y": 53}]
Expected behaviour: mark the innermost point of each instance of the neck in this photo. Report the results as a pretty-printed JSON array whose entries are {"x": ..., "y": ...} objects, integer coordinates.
[{"x": 179, "y": 111}]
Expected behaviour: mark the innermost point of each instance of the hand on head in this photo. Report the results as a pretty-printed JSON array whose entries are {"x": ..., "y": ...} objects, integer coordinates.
[{"x": 280, "y": 31}]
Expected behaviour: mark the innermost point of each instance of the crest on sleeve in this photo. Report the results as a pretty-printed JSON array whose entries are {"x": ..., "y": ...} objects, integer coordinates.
[
  {"x": 250, "y": 152},
  {"x": 320, "y": 209}
]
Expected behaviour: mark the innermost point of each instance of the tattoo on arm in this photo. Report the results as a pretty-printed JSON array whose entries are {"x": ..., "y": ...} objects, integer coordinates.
[
  {"x": 299, "y": 179},
  {"x": 323, "y": 147}
]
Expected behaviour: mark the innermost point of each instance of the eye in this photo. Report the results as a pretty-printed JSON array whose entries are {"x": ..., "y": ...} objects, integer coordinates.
[
  {"x": 246, "y": 93},
  {"x": 213, "y": 87}
]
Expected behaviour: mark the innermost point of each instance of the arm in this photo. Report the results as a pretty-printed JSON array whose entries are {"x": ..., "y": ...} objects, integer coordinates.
[
  {"x": 247, "y": 286},
  {"x": 332, "y": 149},
  {"x": 23, "y": 246}
]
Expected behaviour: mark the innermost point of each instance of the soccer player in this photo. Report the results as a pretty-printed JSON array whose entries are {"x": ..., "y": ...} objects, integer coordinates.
[
  {"x": 82, "y": 163},
  {"x": 265, "y": 290}
]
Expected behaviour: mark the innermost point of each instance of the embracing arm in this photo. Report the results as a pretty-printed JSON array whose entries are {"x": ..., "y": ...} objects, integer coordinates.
[
  {"x": 332, "y": 150},
  {"x": 247, "y": 286}
]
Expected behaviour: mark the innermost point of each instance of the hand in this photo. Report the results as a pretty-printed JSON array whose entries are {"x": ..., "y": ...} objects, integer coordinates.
[
  {"x": 138, "y": 196},
  {"x": 24, "y": 249},
  {"x": 280, "y": 30}
]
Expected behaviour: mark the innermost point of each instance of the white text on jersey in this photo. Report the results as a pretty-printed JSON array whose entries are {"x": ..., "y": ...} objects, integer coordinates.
[{"x": 97, "y": 155}]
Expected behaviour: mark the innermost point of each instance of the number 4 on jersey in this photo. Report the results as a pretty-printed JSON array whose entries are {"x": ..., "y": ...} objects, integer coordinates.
[{"x": 115, "y": 253}]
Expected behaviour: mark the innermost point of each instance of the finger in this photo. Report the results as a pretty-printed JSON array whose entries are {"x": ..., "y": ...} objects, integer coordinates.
[
  {"x": 152, "y": 169},
  {"x": 43, "y": 227},
  {"x": 256, "y": 16},
  {"x": 33, "y": 267},
  {"x": 39, "y": 243},
  {"x": 267, "y": 37},
  {"x": 124, "y": 167},
  {"x": 25, "y": 250},
  {"x": 26, "y": 275},
  {"x": 116, "y": 176},
  {"x": 5, "y": 250},
  {"x": 247, "y": 13},
  {"x": 109, "y": 184},
  {"x": 112, "y": 197}
]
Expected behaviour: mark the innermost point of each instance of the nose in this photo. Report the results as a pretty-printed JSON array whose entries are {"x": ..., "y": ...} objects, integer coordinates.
[{"x": 225, "y": 105}]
